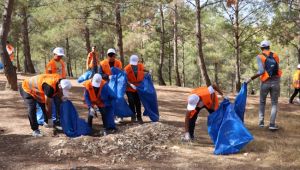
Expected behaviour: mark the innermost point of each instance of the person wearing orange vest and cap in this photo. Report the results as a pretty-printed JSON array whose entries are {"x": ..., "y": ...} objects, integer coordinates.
[
  {"x": 109, "y": 62},
  {"x": 135, "y": 74},
  {"x": 296, "y": 84},
  {"x": 10, "y": 50},
  {"x": 202, "y": 97},
  {"x": 56, "y": 65},
  {"x": 39, "y": 90},
  {"x": 94, "y": 91},
  {"x": 92, "y": 60},
  {"x": 269, "y": 73}
]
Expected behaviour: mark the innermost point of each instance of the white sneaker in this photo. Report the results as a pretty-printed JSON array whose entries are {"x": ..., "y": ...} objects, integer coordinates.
[
  {"x": 117, "y": 120},
  {"x": 37, "y": 133}
]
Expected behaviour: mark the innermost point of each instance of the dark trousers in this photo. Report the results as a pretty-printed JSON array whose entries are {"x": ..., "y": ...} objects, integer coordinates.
[
  {"x": 31, "y": 103},
  {"x": 135, "y": 104},
  {"x": 294, "y": 95},
  {"x": 57, "y": 102},
  {"x": 192, "y": 121},
  {"x": 103, "y": 114}
]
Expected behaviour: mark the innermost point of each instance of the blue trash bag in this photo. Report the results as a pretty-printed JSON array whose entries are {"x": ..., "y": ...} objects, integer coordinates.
[
  {"x": 148, "y": 97},
  {"x": 108, "y": 96},
  {"x": 40, "y": 115},
  {"x": 109, "y": 117},
  {"x": 240, "y": 102},
  {"x": 118, "y": 84},
  {"x": 85, "y": 76},
  {"x": 1, "y": 66},
  {"x": 72, "y": 125},
  {"x": 227, "y": 131}
]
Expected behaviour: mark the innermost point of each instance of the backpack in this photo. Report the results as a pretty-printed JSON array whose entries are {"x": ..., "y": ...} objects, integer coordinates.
[{"x": 271, "y": 65}]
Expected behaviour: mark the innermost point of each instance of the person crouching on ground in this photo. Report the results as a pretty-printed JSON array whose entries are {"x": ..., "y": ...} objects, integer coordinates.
[
  {"x": 40, "y": 89},
  {"x": 202, "y": 97},
  {"x": 95, "y": 91}
]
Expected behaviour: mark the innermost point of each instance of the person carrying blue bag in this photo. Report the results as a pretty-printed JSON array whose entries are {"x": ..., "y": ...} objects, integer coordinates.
[
  {"x": 135, "y": 75},
  {"x": 98, "y": 97},
  {"x": 201, "y": 97}
]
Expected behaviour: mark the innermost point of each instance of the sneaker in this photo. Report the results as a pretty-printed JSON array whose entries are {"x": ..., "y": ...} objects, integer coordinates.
[
  {"x": 133, "y": 119},
  {"x": 140, "y": 120},
  {"x": 261, "y": 124},
  {"x": 117, "y": 120},
  {"x": 37, "y": 133},
  {"x": 273, "y": 127}
]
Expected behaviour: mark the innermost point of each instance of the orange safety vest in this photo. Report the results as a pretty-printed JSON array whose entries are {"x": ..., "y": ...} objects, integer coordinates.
[
  {"x": 131, "y": 76},
  {"x": 10, "y": 51},
  {"x": 106, "y": 68},
  {"x": 296, "y": 79},
  {"x": 52, "y": 66},
  {"x": 205, "y": 97},
  {"x": 265, "y": 76},
  {"x": 33, "y": 85},
  {"x": 90, "y": 59},
  {"x": 95, "y": 99}
]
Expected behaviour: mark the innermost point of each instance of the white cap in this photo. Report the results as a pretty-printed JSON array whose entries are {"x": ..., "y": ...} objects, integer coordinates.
[
  {"x": 59, "y": 51},
  {"x": 211, "y": 90},
  {"x": 134, "y": 59},
  {"x": 264, "y": 43},
  {"x": 66, "y": 86},
  {"x": 192, "y": 102},
  {"x": 111, "y": 50},
  {"x": 298, "y": 66},
  {"x": 96, "y": 81}
]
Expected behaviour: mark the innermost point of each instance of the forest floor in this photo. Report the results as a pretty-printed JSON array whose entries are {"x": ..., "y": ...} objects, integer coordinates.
[{"x": 147, "y": 146}]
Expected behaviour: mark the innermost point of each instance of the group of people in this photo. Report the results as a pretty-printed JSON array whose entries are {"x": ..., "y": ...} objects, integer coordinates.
[
  {"x": 41, "y": 88},
  {"x": 53, "y": 87}
]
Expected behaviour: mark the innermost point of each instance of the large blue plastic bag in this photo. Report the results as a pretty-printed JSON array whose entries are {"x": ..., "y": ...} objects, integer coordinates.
[
  {"x": 72, "y": 125},
  {"x": 85, "y": 76},
  {"x": 240, "y": 102},
  {"x": 108, "y": 96},
  {"x": 148, "y": 97},
  {"x": 118, "y": 84},
  {"x": 227, "y": 131},
  {"x": 1, "y": 66}
]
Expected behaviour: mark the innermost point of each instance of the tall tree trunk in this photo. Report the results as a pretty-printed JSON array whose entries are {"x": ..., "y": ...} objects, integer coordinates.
[
  {"x": 237, "y": 48},
  {"x": 17, "y": 56},
  {"x": 69, "y": 66},
  {"x": 26, "y": 46},
  {"x": 161, "y": 80},
  {"x": 87, "y": 33},
  {"x": 183, "y": 64},
  {"x": 119, "y": 30},
  {"x": 216, "y": 73},
  {"x": 170, "y": 65},
  {"x": 201, "y": 62},
  {"x": 176, "y": 69},
  {"x": 9, "y": 69},
  {"x": 298, "y": 54}
]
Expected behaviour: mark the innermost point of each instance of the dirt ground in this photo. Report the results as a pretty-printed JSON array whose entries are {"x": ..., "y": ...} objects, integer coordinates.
[{"x": 269, "y": 150}]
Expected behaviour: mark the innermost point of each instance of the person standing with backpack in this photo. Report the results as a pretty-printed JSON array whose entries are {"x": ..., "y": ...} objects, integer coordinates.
[{"x": 269, "y": 73}]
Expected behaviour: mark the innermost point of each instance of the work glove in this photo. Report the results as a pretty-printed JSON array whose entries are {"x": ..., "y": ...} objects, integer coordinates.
[
  {"x": 186, "y": 137},
  {"x": 248, "y": 80},
  {"x": 92, "y": 112},
  {"x": 132, "y": 86},
  {"x": 150, "y": 72}
]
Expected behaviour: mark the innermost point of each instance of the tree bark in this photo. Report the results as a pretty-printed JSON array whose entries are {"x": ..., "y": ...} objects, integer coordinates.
[
  {"x": 69, "y": 66},
  {"x": 201, "y": 62},
  {"x": 177, "y": 76},
  {"x": 216, "y": 73},
  {"x": 161, "y": 81},
  {"x": 87, "y": 34},
  {"x": 17, "y": 56},
  {"x": 119, "y": 30},
  {"x": 170, "y": 65},
  {"x": 29, "y": 68},
  {"x": 183, "y": 64},
  {"x": 9, "y": 69},
  {"x": 237, "y": 48}
]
